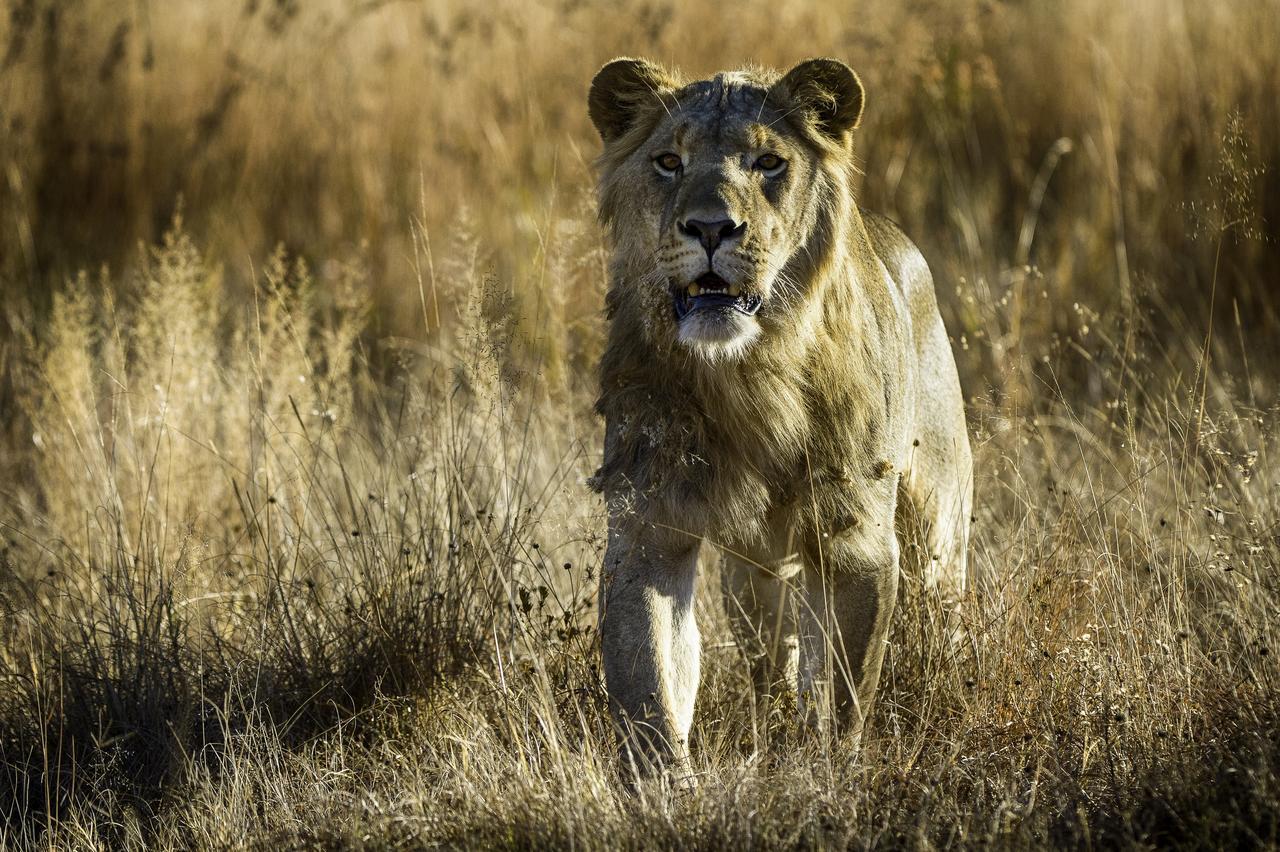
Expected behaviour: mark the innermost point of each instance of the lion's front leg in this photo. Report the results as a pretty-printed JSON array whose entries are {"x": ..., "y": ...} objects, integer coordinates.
[
  {"x": 651, "y": 647},
  {"x": 850, "y": 591}
]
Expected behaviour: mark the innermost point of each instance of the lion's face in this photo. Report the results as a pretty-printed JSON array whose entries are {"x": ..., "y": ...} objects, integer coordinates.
[
  {"x": 715, "y": 195},
  {"x": 726, "y": 195}
]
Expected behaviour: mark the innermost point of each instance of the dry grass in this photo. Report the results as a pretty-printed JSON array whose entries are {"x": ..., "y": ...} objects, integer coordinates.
[{"x": 298, "y": 553}]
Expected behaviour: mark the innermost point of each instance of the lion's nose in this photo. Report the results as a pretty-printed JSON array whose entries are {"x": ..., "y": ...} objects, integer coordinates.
[{"x": 711, "y": 234}]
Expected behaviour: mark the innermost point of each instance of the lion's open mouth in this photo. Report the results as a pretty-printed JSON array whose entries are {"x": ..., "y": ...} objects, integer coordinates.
[{"x": 711, "y": 292}]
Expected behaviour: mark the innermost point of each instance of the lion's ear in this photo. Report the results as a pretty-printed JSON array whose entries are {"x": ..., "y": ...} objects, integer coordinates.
[
  {"x": 621, "y": 90},
  {"x": 828, "y": 92}
]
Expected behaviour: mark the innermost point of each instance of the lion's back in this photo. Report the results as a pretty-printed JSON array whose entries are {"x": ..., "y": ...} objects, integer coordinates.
[
  {"x": 909, "y": 271},
  {"x": 939, "y": 422}
]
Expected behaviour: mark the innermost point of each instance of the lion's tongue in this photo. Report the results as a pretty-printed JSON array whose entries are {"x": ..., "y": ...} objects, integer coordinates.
[{"x": 707, "y": 299}]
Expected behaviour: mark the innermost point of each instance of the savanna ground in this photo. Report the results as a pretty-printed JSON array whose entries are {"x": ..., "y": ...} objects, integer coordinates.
[{"x": 295, "y": 548}]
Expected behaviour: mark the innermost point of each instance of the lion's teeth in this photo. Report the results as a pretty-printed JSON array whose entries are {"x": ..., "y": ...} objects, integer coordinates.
[
  {"x": 694, "y": 289},
  {"x": 735, "y": 291}
]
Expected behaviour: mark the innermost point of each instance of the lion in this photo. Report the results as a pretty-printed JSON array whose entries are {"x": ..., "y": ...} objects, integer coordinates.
[{"x": 776, "y": 380}]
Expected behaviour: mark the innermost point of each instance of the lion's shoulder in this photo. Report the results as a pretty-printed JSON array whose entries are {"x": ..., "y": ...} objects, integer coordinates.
[{"x": 899, "y": 254}]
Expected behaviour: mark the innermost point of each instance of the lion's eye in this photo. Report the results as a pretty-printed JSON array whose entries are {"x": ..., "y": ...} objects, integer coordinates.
[
  {"x": 668, "y": 163},
  {"x": 770, "y": 164}
]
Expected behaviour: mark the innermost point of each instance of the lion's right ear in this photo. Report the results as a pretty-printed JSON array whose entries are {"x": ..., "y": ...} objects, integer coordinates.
[{"x": 622, "y": 90}]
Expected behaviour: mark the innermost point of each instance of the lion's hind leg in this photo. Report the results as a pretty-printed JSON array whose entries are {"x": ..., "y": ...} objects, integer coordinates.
[
  {"x": 935, "y": 514},
  {"x": 760, "y": 601}
]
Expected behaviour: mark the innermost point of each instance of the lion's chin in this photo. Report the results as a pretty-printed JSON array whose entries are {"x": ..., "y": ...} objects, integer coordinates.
[{"x": 718, "y": 335}]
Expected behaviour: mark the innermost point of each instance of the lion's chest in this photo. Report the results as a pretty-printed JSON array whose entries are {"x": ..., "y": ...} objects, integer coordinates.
[{"x": 730, "y": 469}]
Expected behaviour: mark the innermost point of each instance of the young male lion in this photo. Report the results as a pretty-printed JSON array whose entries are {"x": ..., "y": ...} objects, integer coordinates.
[{"x": 776, "y": 375}]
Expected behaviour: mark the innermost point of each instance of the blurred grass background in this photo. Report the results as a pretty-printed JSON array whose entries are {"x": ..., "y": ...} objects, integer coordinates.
[
  {"x": 329, "y": 126},
  {"x": 295, "y": 547}
]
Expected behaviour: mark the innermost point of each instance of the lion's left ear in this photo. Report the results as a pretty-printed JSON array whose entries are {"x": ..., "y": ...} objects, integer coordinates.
[{"x": 828, "y": 92}]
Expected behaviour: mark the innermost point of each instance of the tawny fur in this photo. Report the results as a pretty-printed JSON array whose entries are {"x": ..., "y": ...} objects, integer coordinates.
[{"x": 787, "y": 447}]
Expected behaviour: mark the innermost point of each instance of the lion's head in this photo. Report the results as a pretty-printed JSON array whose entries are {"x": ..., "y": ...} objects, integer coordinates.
[{"x": 720, "y": 195}]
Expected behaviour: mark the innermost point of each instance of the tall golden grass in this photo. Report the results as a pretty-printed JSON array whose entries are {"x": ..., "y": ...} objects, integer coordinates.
[{"x": 294, "y": 545}]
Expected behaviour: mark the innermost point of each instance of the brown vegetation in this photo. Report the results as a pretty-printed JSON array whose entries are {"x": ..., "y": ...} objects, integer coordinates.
[{"x": 295, "y": 546}]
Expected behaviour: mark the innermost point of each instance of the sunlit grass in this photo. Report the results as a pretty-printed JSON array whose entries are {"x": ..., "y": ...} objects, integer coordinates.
[{"x": 295, "y": 546}]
